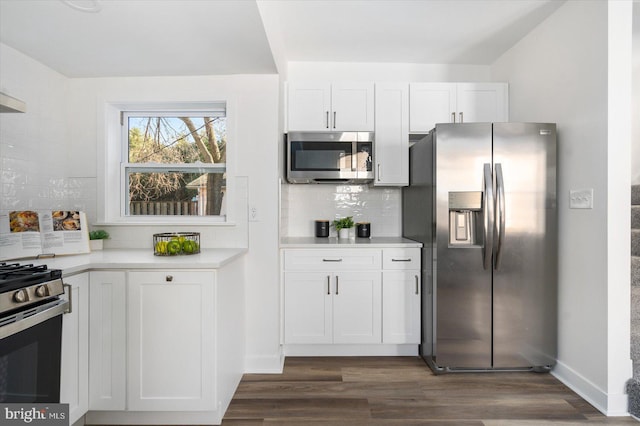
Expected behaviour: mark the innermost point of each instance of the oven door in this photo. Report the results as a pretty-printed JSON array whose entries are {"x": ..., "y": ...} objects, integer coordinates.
[{"x": 30, "y": 349}]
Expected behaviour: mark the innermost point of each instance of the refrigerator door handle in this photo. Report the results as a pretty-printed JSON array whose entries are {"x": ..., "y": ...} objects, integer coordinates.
[
  {"x": 500, "y": 214},
  {"x": 487, "y": 210}
]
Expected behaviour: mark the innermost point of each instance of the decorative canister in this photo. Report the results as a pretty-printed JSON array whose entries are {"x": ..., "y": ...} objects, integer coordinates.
[
  {"x": 322, "y": 228},
  {"x": 363, "y": 230}
]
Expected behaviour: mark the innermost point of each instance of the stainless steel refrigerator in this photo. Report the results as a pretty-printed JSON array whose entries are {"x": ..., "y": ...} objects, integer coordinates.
[{"x": 482, "y": 200}]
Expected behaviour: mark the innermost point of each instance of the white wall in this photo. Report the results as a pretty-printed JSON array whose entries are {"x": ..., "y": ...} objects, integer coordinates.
[
  {"x": 34, "y": 146},
  {"x": 378, "y": 71},
  {"x": 635, "y": 147},
  {"x": 559, "y": 73}
]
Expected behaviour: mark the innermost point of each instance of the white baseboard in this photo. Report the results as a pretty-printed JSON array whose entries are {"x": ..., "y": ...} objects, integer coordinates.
[
  {"x": 351, "y": 350},
  {"x": 264, "y": 364},
  {"x": 608, "y": 404}
]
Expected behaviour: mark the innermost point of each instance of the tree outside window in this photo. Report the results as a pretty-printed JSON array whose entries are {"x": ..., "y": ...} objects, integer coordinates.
[{"x": 176, "y": 163}]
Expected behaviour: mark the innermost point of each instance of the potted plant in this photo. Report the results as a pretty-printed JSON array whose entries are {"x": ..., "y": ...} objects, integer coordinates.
[
  {"x": 96, "y": 239},
  {"x": 343, "y": 225}
]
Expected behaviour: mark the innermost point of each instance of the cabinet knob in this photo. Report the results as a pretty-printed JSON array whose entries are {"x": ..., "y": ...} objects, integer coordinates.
[{"x": 169, "y": 278}]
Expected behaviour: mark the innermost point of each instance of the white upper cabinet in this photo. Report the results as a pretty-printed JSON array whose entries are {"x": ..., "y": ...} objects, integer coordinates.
[
  {"x": 482, "y": 102},
  {"x": 392, "y": 134},
  {"x": 432, "y": 103},
  {"x": 330, "y": 107}
]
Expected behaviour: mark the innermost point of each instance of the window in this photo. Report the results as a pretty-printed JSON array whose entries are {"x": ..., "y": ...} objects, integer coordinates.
[{"x": 174, "y": 163}]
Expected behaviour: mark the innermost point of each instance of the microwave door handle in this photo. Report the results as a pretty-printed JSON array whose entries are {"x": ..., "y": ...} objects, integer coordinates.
[{"x": 354, "y": 156}]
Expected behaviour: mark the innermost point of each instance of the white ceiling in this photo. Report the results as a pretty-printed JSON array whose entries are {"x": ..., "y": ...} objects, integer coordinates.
[{"x": 208, "y": 37}]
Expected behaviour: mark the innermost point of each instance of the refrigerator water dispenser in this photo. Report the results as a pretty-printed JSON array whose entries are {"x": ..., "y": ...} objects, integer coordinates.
[{"x": 465, "y": 212}]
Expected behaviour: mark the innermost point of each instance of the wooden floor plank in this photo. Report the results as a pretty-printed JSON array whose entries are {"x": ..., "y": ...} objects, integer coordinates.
[{"x": 322, "y": 389}]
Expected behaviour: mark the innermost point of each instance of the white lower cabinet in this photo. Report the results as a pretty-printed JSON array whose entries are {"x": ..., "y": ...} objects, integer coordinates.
[
  {"x": 329, "y": 307},
  {"x": 351, "y": 296},
  {"x": 166, "y": 346},
  {"x": 152, "y": 340},
  {"x": 74, "y": 365},
  {"x": 170, "y": 343},
  {"x": 401, "y": 295},
  {"x": 401, "y": 307},
  {"x": 107, "y": 340}
]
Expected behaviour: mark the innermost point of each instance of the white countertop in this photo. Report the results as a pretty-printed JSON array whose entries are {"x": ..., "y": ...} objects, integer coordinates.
[
  {"x": 138, "y": 259},
  {"x": 333, "y": 242}
]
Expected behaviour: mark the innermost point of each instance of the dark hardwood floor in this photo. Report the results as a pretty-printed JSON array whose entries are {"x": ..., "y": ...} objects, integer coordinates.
[{"x": 358, "y": 391}]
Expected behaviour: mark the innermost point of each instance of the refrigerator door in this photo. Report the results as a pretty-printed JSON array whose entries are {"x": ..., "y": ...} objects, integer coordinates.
[
  {"x": 462, "y": 284},
  {"x": 525, "y": 254}
]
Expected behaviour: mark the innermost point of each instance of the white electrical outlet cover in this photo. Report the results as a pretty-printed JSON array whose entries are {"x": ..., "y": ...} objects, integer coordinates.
[{"x": 581, "y": 198}]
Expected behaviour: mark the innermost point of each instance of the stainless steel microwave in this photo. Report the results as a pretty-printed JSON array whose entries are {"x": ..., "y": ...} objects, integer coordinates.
[{"x": 330, "y": 157}]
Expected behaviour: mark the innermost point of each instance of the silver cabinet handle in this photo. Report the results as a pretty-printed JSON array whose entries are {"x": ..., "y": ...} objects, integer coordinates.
[
  {"x": 417, "y": 285},
  {"x": 461, "y": 118},
  {"x": 378, "y": 172},
  {"x": 70, "y": 298},
  {"x": 337, "y": 285},
  {"x": 487, "y": 209},
  {"x": 327, "y": 119},
  {"x": 169, "y": 278},
  {"x": 334, "y": 119},
  {"x": 453, "y": 117},
  {"x": 332, "y": 260},
  {"x": 401, "y": 260},
  {"x": 500, "y": 213},
  {"x": 328, "y": 284}
]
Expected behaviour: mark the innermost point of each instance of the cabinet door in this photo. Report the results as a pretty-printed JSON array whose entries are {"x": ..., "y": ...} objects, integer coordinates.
[
  {"x": 352, "y": 106},
  {"x": 308, "y": 106},
  {"x": 392, "y": 134},
  {"x": 74, "y": 366},
  {"x": 482, "y": 102},
  {"x": 171, "y": 331},
  {"x": 357, "y": 307},
  {"x": 107, "y": 340},
  {"x": 401, "y": 307},
  {"x": 307, "y": 307},
  {"x": 430, "y": 103}
]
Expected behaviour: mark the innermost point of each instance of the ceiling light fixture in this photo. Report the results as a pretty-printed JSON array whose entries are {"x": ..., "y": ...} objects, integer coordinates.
[{"x": 89, "y": 6}]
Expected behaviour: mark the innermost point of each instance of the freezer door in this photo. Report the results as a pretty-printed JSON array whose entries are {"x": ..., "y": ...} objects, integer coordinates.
[
  {"x": 525, "y": 250},
  {"x": 462, "y": 281}
]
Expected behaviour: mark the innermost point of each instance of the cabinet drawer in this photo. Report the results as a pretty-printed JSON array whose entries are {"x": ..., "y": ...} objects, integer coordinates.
[
  {"x": 332, "y": 260},
  {"x": 401, "y": 258}
]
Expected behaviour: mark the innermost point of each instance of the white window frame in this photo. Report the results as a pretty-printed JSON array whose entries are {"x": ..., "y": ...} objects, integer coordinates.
[{"x": 112, "y": 205}]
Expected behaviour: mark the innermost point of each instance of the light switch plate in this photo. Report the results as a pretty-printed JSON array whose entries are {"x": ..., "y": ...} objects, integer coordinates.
[{"x": 581, "y": 198}]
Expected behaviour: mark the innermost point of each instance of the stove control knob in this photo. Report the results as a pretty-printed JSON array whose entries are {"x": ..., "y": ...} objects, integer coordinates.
[
  {"x": 20, "y": 296},
  {"x": 42, "y": 291}
]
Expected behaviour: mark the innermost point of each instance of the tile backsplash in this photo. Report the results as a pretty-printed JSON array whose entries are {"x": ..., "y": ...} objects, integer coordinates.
[{"x": 301, "y": 205}]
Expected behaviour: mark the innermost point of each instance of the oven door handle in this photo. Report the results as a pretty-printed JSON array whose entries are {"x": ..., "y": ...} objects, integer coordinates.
[{"x": 33, "y": 320}]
